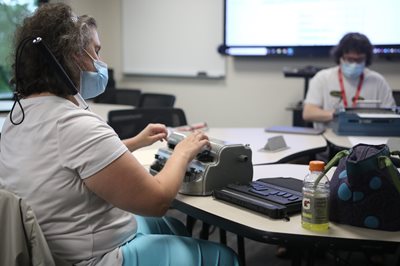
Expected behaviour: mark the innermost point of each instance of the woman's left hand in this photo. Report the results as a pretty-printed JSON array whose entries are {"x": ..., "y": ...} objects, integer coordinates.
[{"x": 151, "y": 134}]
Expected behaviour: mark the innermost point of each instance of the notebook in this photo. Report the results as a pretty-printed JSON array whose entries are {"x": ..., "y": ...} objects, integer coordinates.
[
  {"x": 276, "y": 197},
  {"x": 295, "y": 130}
]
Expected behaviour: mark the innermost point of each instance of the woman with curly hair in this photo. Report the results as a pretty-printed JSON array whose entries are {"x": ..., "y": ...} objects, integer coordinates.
[{"x": 81, "y": 180}]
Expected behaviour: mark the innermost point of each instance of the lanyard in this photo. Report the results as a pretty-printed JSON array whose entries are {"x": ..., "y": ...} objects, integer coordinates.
[{"x": 342, "y": 91}]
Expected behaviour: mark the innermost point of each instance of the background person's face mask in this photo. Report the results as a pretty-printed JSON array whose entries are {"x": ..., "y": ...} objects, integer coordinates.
[
  {"x": 93, "y": 84},
  {"x": 351, "y": 70}
]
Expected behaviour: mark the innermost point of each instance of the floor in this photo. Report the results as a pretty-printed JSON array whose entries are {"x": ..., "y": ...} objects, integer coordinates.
[{"x": 261, "y": 254}]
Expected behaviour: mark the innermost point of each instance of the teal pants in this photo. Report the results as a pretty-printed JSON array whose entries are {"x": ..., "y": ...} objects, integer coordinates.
[{"x": 165, "y": 242}]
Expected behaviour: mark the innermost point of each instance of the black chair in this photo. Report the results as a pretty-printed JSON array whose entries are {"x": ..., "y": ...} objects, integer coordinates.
[
  {"x": 108, "y": 96},
  {"x": 128, "y": 123},
  {"x": 396, "y": 96},
  {"x": 128, "y": 96},
  {"x": 120, "y": 96},
  {"x": 148, "y": 100}
]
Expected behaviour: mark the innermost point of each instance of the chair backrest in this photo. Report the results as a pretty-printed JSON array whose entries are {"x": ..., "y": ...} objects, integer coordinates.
[
  {"x": 127, "y": 96},
  {"x": 156, "y": 100},
  {"x": 396, "y": 96},
  {"x": 108, "y": 96},
  {"x": 21, "y": 239},
  {"x": 119, "y": 96},
  {"x": 128, "y": 123}
]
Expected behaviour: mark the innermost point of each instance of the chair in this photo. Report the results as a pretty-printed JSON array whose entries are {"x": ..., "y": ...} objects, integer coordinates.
[
  {"x": 108, "y": 96},
  {"x": 127, "y": 96},
  {"x": 120, "y": 96},
  {"x": 22, "y": 240},
  {"x": 156, "y": 100},
  {"x": 396, "y": 96},
  {"x": 128, "y": 123}
]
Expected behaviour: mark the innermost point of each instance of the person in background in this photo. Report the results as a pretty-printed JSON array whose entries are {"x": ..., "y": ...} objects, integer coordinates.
[
  {"x": 347, "y": 84},
  {"x": 81, "y": 180}
]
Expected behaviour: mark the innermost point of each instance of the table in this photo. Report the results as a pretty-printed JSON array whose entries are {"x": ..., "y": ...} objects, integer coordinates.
[
  {"x": 261, "y": 228},
  {"x": 350, "y": 141},
  {"x": 298, "y": 145},
  {"x": 102, "y": 109}
]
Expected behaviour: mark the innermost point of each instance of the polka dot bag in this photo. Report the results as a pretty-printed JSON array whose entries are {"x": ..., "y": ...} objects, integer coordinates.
[{"x": 365, "y": 188}]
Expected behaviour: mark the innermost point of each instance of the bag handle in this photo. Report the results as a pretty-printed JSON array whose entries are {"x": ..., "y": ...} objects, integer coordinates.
[
  {"x": 397, "y": 153},
  {"x": 331, "y": 163},
  {"x": 385, "y": 161}
]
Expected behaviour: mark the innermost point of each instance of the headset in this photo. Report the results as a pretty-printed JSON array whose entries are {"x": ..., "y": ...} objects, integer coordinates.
[
  {"x": 59, "y": 70},
  {"x": 52, "y": 61}
]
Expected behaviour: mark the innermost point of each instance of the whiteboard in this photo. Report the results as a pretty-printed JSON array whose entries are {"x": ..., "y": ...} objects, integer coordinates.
[{"x": 172, "y": 37}]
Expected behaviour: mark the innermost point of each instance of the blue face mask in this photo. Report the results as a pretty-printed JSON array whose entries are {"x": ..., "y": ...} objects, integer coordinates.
[
  {"x": 352, "y": 70},
  {"x": 94, "y": 83}
]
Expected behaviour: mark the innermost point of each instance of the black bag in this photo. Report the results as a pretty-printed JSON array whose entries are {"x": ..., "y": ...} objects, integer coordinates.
[{"x": 365, "y": 188}]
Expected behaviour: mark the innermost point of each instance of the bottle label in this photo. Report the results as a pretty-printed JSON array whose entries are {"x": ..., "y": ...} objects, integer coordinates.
[{"x": 315, "y": 209}]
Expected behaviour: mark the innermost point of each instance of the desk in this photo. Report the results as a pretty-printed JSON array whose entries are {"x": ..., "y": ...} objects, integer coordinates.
[
  {"x": 350, "y": 141},
  {"x": 261, "y": 228},
  {"x": 299, "y": 145},
  {"x": 102, "y": 109}
]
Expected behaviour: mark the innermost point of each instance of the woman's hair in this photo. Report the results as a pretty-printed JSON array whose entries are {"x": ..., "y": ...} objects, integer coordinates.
[
  {"x": 353, "y": 42},
  {"x": 65, "y": 34}
]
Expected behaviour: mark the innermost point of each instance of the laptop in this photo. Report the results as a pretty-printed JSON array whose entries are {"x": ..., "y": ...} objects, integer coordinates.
[
  {"x": 295, "y": 130},
  {"x": 276, "y": 197}
]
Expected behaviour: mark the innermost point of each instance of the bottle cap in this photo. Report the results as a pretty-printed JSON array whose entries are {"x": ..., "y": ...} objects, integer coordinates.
[{"x": 317, "y": 166}]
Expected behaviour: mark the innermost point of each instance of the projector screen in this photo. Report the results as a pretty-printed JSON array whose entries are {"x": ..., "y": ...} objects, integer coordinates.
[{"x": 307, "y": 27}]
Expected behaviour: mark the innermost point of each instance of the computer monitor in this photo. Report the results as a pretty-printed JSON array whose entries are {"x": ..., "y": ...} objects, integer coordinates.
[{"x": 288, "y": 28}]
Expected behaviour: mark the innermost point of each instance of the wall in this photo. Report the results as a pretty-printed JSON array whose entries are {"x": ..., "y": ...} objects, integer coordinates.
[{"x": 254, "y": 92}]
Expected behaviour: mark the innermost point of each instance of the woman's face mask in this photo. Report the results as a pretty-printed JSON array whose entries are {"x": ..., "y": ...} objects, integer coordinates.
[{"x": 93, "y": 84}]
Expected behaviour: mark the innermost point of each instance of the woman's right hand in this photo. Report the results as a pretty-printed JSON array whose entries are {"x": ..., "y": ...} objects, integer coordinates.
[
  {"x": 190, "y": 146},
  {"x": 125, "y": 183}
]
